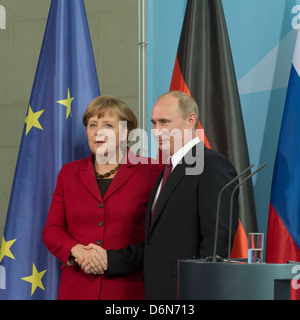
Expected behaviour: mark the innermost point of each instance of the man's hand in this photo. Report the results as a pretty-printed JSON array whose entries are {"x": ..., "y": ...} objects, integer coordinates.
[{"x": 91, "y": 258}]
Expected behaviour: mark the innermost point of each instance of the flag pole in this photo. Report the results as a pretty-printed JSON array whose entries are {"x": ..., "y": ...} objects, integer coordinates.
[{"x": 142, "y": 45}]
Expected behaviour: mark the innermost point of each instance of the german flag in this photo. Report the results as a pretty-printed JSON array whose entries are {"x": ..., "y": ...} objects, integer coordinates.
[{"x": 204, "y": 69}]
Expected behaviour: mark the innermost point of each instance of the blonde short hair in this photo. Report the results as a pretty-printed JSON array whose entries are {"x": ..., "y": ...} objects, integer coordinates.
[{"x": 100, "y": 105}]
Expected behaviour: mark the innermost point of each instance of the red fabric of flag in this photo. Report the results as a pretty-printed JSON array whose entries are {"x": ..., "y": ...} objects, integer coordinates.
[{"x": 204, "y": 69}]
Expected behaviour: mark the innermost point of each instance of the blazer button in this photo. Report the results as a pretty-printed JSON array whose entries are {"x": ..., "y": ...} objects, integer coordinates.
[
  {"x": 100, "y": 223},
  {"x": 149, "y": 241},
  {"x": 99, "y": 242},
  {"x": 100, "y": 205}
]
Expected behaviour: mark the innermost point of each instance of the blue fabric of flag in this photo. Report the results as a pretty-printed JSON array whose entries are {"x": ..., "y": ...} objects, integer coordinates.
[
  {"x": 285, "y": 196},
  {"x": 65, "y": 82}
]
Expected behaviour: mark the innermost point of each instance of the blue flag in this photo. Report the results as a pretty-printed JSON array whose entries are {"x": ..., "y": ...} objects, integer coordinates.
[
  {"x": 65, "y": 82},
  {"x": 283, "y": 242}
]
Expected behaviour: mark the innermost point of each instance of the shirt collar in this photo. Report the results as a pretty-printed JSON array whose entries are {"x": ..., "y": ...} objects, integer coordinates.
[{"x": 177, "y": 156}]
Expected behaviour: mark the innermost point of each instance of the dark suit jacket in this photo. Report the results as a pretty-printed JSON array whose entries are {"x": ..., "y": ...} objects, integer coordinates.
[
  {"x": 184, "y": 222},
  {"x": 183, "y": 225}
]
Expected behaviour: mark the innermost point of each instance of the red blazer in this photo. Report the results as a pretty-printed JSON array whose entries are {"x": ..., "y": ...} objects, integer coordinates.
[{"x": 78, "y": 214}]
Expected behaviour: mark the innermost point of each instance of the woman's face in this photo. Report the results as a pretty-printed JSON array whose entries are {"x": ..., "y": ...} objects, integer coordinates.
[{"x": 105, "y": 135}]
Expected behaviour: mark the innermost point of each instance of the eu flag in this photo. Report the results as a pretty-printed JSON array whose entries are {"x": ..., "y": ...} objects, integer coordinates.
[{"x": 65, "y": 82}]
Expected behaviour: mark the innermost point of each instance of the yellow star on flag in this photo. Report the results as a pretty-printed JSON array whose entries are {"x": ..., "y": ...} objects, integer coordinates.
[
  {"x": 5, "y": 249},
  {"x": 35, "y": 279},
  {"x": 32, "y": 120},
  {"x": 67, "y": 103}
]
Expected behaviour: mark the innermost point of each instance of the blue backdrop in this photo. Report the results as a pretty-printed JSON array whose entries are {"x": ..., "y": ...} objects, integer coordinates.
[{"x": 262, "y": 40}]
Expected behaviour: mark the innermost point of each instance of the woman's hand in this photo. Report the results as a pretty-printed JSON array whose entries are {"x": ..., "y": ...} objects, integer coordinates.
[{"x": 91, "y": 258}]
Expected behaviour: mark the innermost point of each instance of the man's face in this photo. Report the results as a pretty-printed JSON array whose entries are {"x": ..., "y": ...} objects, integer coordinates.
[{"x": 168, "y": 124}]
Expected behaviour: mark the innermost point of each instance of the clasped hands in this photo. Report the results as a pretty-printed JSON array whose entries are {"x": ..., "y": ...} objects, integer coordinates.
[{"x": 91, "y": 258}]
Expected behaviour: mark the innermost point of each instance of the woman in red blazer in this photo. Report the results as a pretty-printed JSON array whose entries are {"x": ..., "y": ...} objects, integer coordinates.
[{"x": 99, "y": 205}]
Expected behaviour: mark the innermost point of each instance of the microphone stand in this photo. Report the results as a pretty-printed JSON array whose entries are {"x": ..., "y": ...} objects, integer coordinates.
[
  {"x": 214, "y": 258},
  {"x": 231, "y": 208}
]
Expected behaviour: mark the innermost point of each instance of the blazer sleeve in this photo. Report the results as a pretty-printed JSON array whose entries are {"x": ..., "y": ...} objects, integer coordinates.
[
  {"x": 55, "y": 235},
  {"x": 125, "y": 260},
  {"x": 218, "y": 171}
]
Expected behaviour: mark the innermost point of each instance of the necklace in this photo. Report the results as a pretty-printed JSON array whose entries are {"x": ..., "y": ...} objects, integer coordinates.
[{"x": 107, "y": 174}]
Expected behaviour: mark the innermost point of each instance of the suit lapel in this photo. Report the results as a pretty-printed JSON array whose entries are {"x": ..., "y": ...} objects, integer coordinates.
[
  {"x": 120, "y": 178},
  {"x": 124, "y": 173},
  {"x": 87, "y": 176},
  {"x": 174, "y": 179},
  {"x": 151, "y": 199}
]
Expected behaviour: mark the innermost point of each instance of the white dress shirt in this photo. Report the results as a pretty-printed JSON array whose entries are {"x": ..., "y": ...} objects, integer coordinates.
[{"x": 176, "y": 158}]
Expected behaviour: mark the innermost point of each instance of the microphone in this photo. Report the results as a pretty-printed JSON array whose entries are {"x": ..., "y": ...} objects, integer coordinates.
[
  {"x": 231, "y": 207},
  {"x": 214, "y": 258}
]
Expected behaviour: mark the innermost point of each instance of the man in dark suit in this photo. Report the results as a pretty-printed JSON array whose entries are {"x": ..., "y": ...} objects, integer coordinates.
[{"x": 181, "y": 214}]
